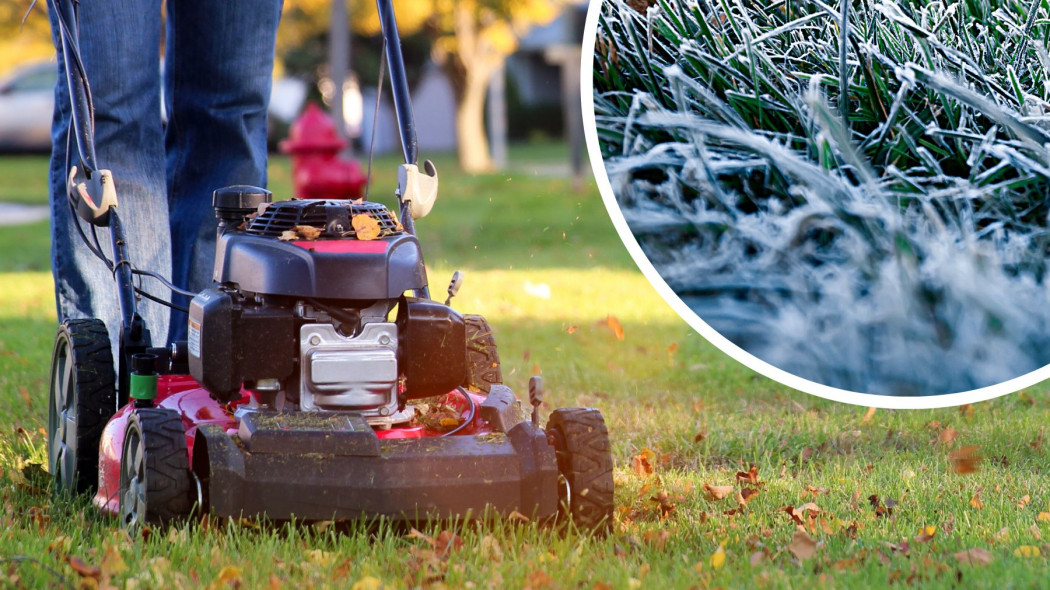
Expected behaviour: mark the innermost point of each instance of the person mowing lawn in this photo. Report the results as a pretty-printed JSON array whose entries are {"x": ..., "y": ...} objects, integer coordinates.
[{"x": 216, "y": 79}]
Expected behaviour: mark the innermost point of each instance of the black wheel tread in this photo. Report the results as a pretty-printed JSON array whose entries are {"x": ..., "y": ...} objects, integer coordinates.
[
  {"x": 96, "y": 396},
  {"x": 483, "y": 366},
  {"x": 167, "y": 464},
  {"x": 586, "y": 461}
]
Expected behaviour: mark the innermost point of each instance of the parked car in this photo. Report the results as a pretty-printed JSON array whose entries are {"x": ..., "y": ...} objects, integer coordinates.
[{"x": 27, "y": 98}]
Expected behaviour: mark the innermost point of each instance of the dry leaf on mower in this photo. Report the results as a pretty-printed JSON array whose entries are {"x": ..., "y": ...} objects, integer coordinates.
[
  {"x": 802, "y": 545},
  {"x": 365, "y": 227},
  {"x": 288, "y": 235},
  {"x": 717, "y": 492},
  {"x": 307, "y": 232},
  {"x": 975, "y": 556}
]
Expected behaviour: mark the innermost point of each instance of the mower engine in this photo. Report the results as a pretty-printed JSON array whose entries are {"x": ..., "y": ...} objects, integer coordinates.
[{"x": 301, "y": 314}]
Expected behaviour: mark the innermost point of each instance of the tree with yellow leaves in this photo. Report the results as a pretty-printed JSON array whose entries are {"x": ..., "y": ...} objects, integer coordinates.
[{"x": 472, "y": 40}]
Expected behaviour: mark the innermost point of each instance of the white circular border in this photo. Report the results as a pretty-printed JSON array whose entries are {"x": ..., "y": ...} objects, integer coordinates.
[{"x": 590, "y": 131}]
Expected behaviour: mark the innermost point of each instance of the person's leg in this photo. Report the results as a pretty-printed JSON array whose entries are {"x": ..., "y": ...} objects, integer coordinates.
[
  {"x": 119, "y": 46},
  {"x": 217, "y": 78}
]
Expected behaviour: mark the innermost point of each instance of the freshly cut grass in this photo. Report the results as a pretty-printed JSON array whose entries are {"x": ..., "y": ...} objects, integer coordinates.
[
  {"x": 853, "y": 193},
  {"x": 669, "y": 398}
]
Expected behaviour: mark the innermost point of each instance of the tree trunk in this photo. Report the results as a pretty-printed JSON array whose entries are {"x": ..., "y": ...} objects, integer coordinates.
[{"x": 472, "y": 144}]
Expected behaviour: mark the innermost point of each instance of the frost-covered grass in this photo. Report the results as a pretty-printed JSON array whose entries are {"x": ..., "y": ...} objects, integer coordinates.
[{"x": 853, "y": 192}]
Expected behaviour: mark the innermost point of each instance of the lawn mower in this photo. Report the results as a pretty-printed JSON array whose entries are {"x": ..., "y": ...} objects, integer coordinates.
[{"x": 298, "y": 392}]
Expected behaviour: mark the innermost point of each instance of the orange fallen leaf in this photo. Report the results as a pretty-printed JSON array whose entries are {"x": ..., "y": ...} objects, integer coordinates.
[
  {"x": 365, "y": 227},
  {"x": 750, "y": 476},
  {"x": 447, "y": 541},
  {"x": 965, "y": 460},
  {"x": 643, "y": 462},
  {"x": 948, "y": 436},
  {"x": 867, "y": 417},
  {"x": 1024, "y": 501},
  {"x": 746, "y": 494},
  {"x": 83, "y": 569},
  {"x": 572, "y": 329},
  {"x": 614, "y": 324},
  {"x": 717, "y": 492}
]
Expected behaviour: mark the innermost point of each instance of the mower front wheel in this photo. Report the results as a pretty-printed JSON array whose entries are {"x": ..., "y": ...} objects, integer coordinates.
[
  {"x": 581, "y": 445},
  {"x": 155, "y": 479},
  {"x": 81, "y": 400}
]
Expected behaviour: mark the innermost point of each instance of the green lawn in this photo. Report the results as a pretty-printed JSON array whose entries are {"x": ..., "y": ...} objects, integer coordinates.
[{"x": 681, "y": 415}]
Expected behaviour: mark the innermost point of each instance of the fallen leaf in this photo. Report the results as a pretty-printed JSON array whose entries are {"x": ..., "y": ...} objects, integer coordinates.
[
  {"x": 1043, "y": 517},
  {"x": 643, "y": 462},
  {"x": 25, "y": 395},
  {"x": 658, "y": 538},
  {"x": 1024, "y": 501},
  {"x": 228, "y": 576},
  {"x": 867, "y": 416},
  {"x": 1027, "y": 551},
  {"x": 447, "y": 541},
  {"x": 367, "y": 583},
  {"x": 975, "y": 556},
  {"x": 515, "y": 515},
  {"x": 288, "y": 236},
  {"x": 750, "y": 476},
  {"x": 112, "y": 563},
  {"x": 83, "y": 569},
  {"x": 746, "y": 494},
  {"x": 365, "y": 227},
  {"x": 966, "y": 410},
  {"x": 802, "y": 545},
  {"x": 490, "y": 549},
  {"x": 717, "y": 492},
  {"x": 572, "y": 329},
  {"x": 975, "y": 500},
  {"x": 614, "y": 324},
  {"x": 718, "y": 558},
  {"x": 965, "y": 460},
  {"x": 700, "y": 436},
  {"x": 926, "y": 534},
  {"x": 948, "y": 436}
]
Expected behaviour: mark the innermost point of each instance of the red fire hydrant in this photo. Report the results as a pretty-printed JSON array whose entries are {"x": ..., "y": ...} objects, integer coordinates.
[{"x": 317, "y": 170}]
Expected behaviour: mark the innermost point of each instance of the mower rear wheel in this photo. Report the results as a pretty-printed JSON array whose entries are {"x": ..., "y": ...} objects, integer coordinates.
[
  {"x": 82, "y": 398},
  {"x": 155, "y": 479},
  {"x": 483, "y": 368},
  {"x": 581, "y": 445}
]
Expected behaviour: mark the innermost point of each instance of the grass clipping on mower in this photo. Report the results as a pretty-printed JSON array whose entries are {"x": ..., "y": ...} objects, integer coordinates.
[{"x": 853, "y": 196}]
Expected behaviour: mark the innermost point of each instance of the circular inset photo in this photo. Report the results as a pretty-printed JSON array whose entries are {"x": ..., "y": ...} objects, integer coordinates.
[{"x": 852, "y": 198}]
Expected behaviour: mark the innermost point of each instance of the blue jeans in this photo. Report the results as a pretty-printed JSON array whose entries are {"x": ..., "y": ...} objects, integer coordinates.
[{"x": 216, "y": 79}]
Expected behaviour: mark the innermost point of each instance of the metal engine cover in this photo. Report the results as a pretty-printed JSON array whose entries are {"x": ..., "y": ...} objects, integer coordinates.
[{"x": 357, "y": 373}]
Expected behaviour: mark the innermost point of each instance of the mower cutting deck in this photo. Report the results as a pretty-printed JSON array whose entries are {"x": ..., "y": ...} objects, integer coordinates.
[{"x": 300, "y": 389}]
